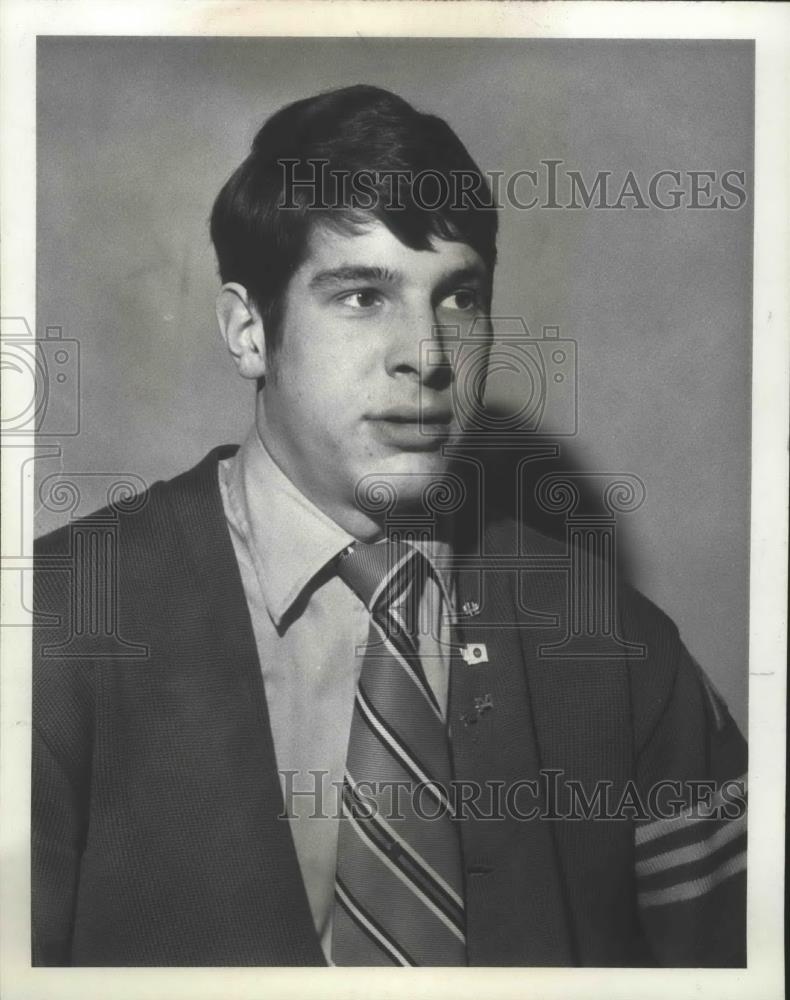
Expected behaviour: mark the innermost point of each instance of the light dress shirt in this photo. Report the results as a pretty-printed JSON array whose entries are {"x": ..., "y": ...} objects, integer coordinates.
[{"x": 310, "y": 631}]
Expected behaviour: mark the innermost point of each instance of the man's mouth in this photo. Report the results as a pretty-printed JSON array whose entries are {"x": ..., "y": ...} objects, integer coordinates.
[
  {"x": 427, "y": 416},
  {"x": 412, "y": 428}
]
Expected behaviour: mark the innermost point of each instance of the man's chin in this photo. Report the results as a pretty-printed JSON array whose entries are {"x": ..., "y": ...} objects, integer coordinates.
[
  {"x": 418, "y": 463},
  {"x": 402, "y": 480}
]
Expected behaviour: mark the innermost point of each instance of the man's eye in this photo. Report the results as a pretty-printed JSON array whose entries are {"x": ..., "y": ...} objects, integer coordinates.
[
  {"x": 364, "y": 298},
  {"x": 464, "y": 300}
]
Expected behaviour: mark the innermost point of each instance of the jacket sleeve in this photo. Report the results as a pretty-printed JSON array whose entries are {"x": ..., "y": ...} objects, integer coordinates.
[
  {"x": 55, "y": 852},
  {"x": 61, "y": 765},
  {"x": 690, "y": 849}
]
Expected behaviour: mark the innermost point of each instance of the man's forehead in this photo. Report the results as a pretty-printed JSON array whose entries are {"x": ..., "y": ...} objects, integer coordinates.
[{"x": 370, "y": 245}]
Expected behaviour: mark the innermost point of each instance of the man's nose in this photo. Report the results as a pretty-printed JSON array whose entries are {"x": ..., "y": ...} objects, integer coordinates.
[{"x": 419, "y": 350}]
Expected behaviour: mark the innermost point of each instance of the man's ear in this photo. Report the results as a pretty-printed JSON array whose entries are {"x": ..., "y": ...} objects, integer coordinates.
[{"x": 242, "y": 330}]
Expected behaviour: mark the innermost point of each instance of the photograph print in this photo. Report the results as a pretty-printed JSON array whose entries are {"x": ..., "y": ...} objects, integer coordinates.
[{"x": 391, "y": 501}]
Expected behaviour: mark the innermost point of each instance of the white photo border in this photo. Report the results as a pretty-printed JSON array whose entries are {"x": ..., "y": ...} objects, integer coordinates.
[{"x": 20, "y": 24}]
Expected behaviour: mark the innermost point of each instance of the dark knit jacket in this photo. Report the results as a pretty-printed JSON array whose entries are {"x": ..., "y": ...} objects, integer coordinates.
[{"x": 156, "y": 837}]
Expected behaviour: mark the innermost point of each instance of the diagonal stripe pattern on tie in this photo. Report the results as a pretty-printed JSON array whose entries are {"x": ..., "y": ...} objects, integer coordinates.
[{"x": 399, "y": 882}]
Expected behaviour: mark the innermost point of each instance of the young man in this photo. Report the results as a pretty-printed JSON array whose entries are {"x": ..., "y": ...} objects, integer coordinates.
[{"x": 312, "y": 617}]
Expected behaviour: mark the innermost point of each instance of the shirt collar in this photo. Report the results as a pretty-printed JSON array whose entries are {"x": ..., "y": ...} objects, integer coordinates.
[{"x": 289, "y": 539}]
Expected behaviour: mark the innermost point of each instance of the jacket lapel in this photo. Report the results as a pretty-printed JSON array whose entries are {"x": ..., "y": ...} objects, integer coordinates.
[
  {"x": 276, "y": 902},
  {"x": 514, "y": 893},
  {"x": 582, "y": 718},
  {"x": 539, "y": 891}
]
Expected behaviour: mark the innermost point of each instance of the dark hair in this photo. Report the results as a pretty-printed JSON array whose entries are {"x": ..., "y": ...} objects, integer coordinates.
[{"x": 353, "y": 130}]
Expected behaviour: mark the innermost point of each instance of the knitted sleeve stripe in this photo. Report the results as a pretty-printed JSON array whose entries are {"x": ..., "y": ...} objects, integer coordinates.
[{"x": 683, "y": 857}]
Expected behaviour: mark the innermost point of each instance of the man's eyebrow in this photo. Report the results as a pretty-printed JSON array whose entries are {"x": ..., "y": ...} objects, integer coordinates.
[
  {"x": 473, "y": 272},
  {"x": 353, "y": 272}
]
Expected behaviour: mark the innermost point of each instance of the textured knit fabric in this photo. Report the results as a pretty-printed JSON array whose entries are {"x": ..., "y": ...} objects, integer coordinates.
[
  {"x": 156, "y": 797},
  {"x": 310, "y": 630}
]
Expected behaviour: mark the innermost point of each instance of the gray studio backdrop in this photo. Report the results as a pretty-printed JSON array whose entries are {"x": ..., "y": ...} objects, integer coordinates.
[{"x": 135, "y": 137}]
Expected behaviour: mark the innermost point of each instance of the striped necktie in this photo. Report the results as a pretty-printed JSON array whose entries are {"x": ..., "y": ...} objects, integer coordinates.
[{"x": 399, "y": 883}]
